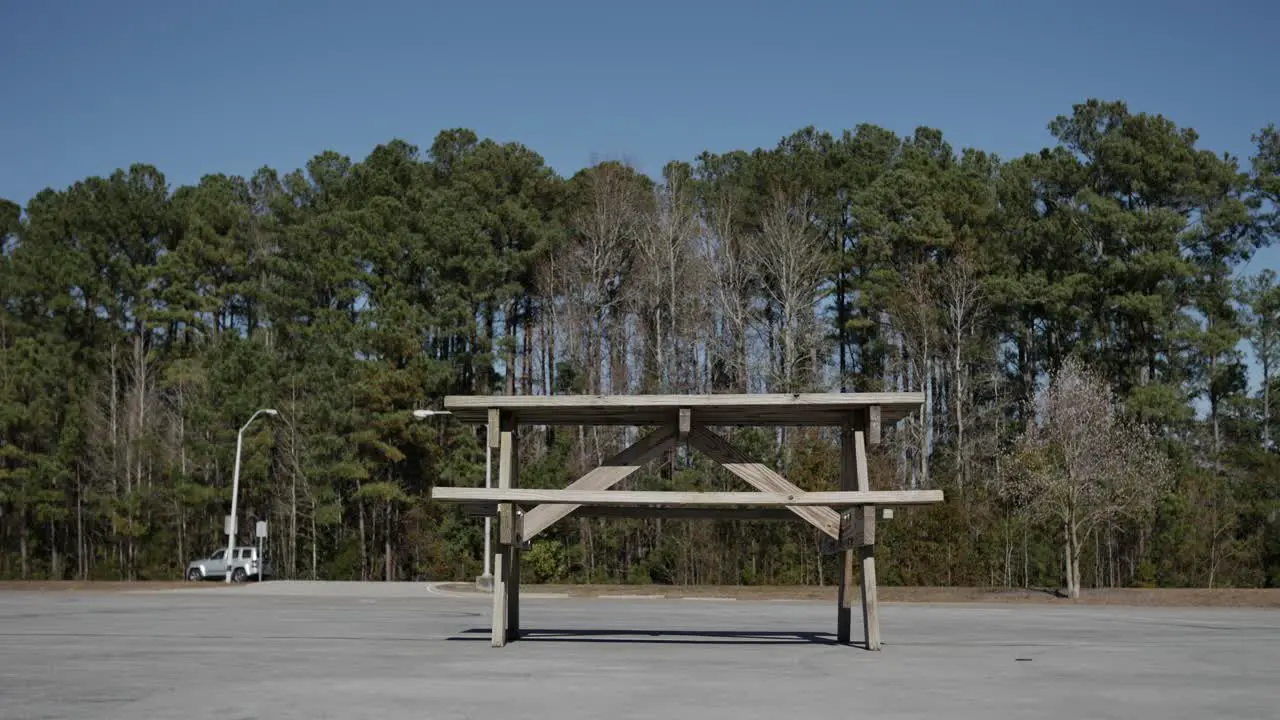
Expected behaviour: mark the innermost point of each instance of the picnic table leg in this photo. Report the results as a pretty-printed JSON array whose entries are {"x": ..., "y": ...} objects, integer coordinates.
[
  {"x": 870, "y": 605},
  {"x": 844, "y": 604},
  {"x": 867, "y": 549},
  {"x": 512, "y": 528},
  {"x": 504, "y": 589},
  {"x": 513, "y": 595},
  {"x": 848, "y": 481},
  {"x": 498, "y": 633}
]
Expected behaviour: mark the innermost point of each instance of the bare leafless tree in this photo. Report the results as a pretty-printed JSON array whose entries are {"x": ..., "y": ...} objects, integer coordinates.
[
  {"x": 595, "y": 262},
  {"x": 788, "y": 254},
  {"x": 1081, "y": 464},
  {"x": 959, "y": 293},
  {"x": 548, "y": 290},
  {"x": 725, "y": 260},
  {"x": 913, "y": 312},
  {"x": 668, "y": 277}
]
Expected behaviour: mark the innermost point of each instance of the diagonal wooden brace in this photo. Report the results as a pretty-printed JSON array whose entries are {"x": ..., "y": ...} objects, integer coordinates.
[
  {"x": 760, "y": 477},
  {"x": 614, "y": 471}
]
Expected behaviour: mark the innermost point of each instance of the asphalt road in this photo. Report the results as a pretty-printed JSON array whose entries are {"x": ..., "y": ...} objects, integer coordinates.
[{"x": 285, "y": 650}]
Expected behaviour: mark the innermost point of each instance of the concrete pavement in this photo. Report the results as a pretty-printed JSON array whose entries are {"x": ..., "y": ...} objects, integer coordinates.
[{"x": 353, "y": 650}]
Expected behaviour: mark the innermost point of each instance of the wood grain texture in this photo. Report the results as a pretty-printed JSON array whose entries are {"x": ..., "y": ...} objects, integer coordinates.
[
  {"x": 844, "y": 600},
  {"x": 848, "y": 458},
  {"x": 640, "y": 498},
  {"x": 505, "y": 591},
  {"x": 858, "y": 525},
  {"x": 861, "y": 477},
  {"x": 513, "y": 593},
  {"x": 802, "y": 409},
  {"x": 614, "y": 470},
  {"x": 506, "y": 477},
  {"x": 848, "y": 481},
  {"x": 667, "y": 512},
  {"x": 492, "y": 423},
  {"x": 870, "y": 604},
  {"x": 498, "y": 627},
  {"x": 867, "y": 549},
  {"x": 513, "y": 548},
  {"x": 760, "y": 477}
]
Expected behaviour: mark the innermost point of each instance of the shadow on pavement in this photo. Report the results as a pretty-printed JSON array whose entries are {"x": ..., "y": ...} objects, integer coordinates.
[{"x": 674, "y": 637}]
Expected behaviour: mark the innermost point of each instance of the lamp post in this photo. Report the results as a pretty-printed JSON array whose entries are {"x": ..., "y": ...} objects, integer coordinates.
[
  {"x": 235, "y": 490},
  {"x": 485, "y": 581}
]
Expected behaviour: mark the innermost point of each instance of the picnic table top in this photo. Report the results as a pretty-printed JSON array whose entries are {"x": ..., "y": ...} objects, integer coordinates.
[{"x": 775, "y": 409}]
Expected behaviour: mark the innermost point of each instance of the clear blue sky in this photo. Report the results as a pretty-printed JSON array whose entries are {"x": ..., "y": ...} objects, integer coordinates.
[{"x": 229, "y": 86}]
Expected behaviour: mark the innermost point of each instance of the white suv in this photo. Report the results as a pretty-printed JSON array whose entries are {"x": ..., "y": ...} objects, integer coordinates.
[{"x": 244, "y": 564}]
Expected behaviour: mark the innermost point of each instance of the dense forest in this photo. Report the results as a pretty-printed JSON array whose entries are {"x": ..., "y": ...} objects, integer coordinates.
[{"x": 142, "y": 324}]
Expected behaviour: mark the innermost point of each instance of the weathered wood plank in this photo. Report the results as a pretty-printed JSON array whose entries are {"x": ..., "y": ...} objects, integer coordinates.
[
  {"x": 844, "y": 600},
  {"x": 513, "y": 546},
  {"x": 658, "y": 511},
  {"x": 506, "y": 479},
  {"x": 816, "y": 409},
  {"x": 491, "y": 427},
  {"x": 504, "y": 591},
  {"x": 867, "y": 552},
  {"x": 513, "y": 595},
  {"x": 636, "y": 498},
  {"x": 873, "y": 424},
  {"x": 848, "y": 481},
  {"x": 506, "y": 524},
  {"x": 688, "y": 513},
  {"x": 870, "y": 604},
  {"x": 857, "y": 525},
  {"x": 614, "y": 470},
  {"x": 862, "y": 478},
  {"x": 760, "y": 477},
  {"x": 685, "y": 423},
  {"x": 845, "y": 401},
  {"x": 848, "y": 458},
  {"x": 498, "y": 628}
]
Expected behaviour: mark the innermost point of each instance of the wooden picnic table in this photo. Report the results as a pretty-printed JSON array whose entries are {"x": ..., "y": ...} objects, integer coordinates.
[{"x": 847, "y": 516}]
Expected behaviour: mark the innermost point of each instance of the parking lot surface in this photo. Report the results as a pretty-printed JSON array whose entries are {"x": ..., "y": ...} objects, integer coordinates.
[{"x": 354, "y": 650}]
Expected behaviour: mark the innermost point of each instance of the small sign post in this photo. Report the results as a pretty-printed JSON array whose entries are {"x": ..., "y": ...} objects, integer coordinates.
[{"x": 260, "y": 530}]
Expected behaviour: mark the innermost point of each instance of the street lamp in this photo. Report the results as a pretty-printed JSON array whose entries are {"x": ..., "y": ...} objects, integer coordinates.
[
  {"x": 235, "y": 489},
  {"x": 485, "y": 580}
]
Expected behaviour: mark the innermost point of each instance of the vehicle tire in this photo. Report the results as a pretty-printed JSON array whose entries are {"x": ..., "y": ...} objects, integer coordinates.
[
  {"x": 239, "y": 575},
  {"x": 194, "y": 575}
]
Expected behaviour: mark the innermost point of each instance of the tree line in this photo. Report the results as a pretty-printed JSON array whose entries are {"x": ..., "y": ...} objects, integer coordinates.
[{"x": 142, "y": 324}]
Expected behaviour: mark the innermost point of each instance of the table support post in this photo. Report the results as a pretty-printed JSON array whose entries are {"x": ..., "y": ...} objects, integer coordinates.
[
  {"x": 844, "y": 603},
  {"x": 513, "y": 531},
  {"x": 498, "y": 632},
  {"x": 870, "y": 605},
  {"x": 506, "y": 578},
  {"x": 848, "y": 481},
  {"x": 867, "y": 551}
]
